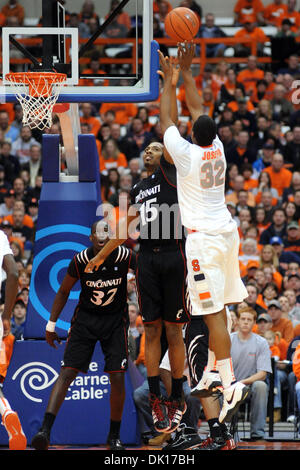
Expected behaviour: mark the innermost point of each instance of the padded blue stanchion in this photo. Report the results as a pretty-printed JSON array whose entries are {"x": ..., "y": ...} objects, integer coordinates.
[{"x": 66, "y": 212}]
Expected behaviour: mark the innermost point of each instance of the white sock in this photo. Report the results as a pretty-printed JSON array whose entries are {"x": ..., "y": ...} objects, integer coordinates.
[
  {"x": 211, "y": 361},
  {"x": 225, "y": 369},
  {"x": 4, "y": 406}
]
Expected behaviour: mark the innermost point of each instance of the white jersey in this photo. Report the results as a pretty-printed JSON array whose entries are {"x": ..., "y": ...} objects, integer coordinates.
[
  {"x": 200, "y": 183},
  {"x": 4, "y": 250}
]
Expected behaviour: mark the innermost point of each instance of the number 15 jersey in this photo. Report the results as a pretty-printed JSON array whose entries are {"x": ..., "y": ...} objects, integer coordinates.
[{"x": 200, "y": 183}]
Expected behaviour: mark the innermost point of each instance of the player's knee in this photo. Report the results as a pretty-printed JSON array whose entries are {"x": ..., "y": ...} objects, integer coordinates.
[
  {"x": 174, "y": 333},
  {"x": 117, "y": 380},
  {"x": 67, "y": 375},
  {"x": 153, "y": 331}
]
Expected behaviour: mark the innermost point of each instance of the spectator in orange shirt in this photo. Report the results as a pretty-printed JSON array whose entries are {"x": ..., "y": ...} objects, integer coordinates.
[
  {"x": 87, "y": 118},
  {"x": 280, "y": 177},
  {"x": 274, "y": 11},
  {"x": 292, "y": 14},
  {"x": 208, "y": 102},
  {"x": 238, "y": 185},
  {"x": 250, "y": 76},
  {"x": 93, "y": 69},
  {"x": 27, "y": 220},
  {"x": 296, "y": 370},
  {"x": 122, "y": 18},
  {"x": 124, "y": 112},
  {"x": 13, "y": 8},
  {"x": 283, "y": 325},
  {"x": 111, "y": 157},
  {"x": 248, "y": 10},
  {"x": 206, "y": 80},
  {"x": 184, "y": 111},
  {"x": 274, "y": 349},
  {"x": 250, "y": 32}
]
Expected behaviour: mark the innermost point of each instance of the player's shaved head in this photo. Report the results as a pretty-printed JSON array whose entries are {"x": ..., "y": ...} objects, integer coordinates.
[{"x": 204, "y": 131}]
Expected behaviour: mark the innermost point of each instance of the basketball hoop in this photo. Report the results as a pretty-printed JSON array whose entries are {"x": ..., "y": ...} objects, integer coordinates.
[{"x": 37, "y": 92}]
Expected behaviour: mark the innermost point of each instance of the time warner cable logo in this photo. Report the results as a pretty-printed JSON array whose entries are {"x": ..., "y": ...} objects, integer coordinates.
[{"x": 35, "y": 377}]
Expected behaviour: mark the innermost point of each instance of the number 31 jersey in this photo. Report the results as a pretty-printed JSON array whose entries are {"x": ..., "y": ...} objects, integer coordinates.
[
  {"x": 200, "y": 183},
  {"x": 103, "y": 291}
]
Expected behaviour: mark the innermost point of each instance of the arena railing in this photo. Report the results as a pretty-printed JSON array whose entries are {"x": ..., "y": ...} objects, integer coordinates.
[{"x": 201, "y": 60}]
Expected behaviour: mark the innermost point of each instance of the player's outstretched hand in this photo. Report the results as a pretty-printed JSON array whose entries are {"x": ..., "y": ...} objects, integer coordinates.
[
  {"x": 175, "y": 71},
  {"x": 51, "y": 337},
  {"x": 185, "y": 54},
  {"x": 165, "y": 65},
  {"x": 93, "y": 264}
]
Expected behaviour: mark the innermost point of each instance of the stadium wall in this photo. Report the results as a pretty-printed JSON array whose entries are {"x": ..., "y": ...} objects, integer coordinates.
[{"x": 219, "y": 8}]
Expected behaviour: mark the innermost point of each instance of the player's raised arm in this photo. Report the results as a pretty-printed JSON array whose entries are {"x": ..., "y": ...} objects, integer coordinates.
[
  {"x": 186, "y": 53},
  {"x": 166, "y": 96},
  {"x": 174, "y": 107}
]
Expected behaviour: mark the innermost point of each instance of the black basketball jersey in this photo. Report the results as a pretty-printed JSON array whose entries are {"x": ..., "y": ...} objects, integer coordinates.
[
  {"x": 103, "y": 291},
  {"x": 156, "y": 199}
]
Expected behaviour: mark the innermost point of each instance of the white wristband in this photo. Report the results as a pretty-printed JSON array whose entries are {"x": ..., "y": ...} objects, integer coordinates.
[{"x": 51, "y": 326}]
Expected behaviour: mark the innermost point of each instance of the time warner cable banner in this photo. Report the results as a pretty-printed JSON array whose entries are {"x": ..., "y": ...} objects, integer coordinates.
[{"x": 85, "y": 414}]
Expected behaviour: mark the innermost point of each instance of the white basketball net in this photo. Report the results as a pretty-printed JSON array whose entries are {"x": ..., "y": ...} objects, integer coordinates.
[{"x": 37, "y": 92}]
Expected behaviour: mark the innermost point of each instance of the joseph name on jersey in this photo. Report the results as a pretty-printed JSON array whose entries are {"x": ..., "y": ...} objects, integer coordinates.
[
  {"x": 200, "y": 183},
  {"x": 105, "y": 290}
]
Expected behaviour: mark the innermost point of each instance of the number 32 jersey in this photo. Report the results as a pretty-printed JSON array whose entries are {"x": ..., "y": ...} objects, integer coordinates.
[
  {"x": 103, "y": 291},
  {"x": 200, "y": 183}
]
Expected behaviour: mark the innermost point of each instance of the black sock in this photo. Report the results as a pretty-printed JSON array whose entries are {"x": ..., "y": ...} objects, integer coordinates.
[
  {"x": 176, "y": 391},
  {"x": 48, "y": 421},
  {"x": 214, "y": 427},
  {"x": 114, "y": 430},
  {"x": 154, "y": 386}
]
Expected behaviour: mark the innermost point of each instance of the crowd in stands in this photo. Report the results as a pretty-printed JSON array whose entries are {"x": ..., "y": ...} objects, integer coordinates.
[{"x": 256, "y": 108}]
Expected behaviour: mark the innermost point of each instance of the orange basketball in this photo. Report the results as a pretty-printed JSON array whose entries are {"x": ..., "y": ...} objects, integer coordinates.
[{"x": 181, "y": 24}]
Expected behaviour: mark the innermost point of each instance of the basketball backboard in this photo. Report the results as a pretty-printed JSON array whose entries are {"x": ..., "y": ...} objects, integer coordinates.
[{"x": 105, "y": 61}]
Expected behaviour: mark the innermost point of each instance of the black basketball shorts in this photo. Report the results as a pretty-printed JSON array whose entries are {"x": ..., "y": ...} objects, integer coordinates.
[
  {"x": 161, "y": 285},
  {"x": 88, "y": 328},
  {"x": 196, "y": 343}
]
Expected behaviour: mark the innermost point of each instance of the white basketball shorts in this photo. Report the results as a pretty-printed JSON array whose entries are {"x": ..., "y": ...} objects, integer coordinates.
[{"x": 213, "y": 271}]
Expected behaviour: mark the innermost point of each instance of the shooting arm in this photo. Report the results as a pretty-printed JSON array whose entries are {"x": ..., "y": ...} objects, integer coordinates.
[{"x": 193, "y": 99}]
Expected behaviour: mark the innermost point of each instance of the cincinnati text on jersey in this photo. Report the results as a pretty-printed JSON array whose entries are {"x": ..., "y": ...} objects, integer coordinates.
[
  {"x": 100, "y": 284},
  {"x": 147, "y": 192}
]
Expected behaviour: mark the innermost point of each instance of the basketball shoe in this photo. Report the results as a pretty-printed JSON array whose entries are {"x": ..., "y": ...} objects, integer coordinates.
[
  {"x": 223, "y": 442},
  {"x": 17, "y": 438},
  {"x": 176, "y": 409},
  {"x": 233, "y": 397},
  {"x": 159, "y": 413},
  {"x": 209, "y": 385}
]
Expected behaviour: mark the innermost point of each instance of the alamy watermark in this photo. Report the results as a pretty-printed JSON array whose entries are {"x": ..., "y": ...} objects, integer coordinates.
[{"x": 147, "y": 220}]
